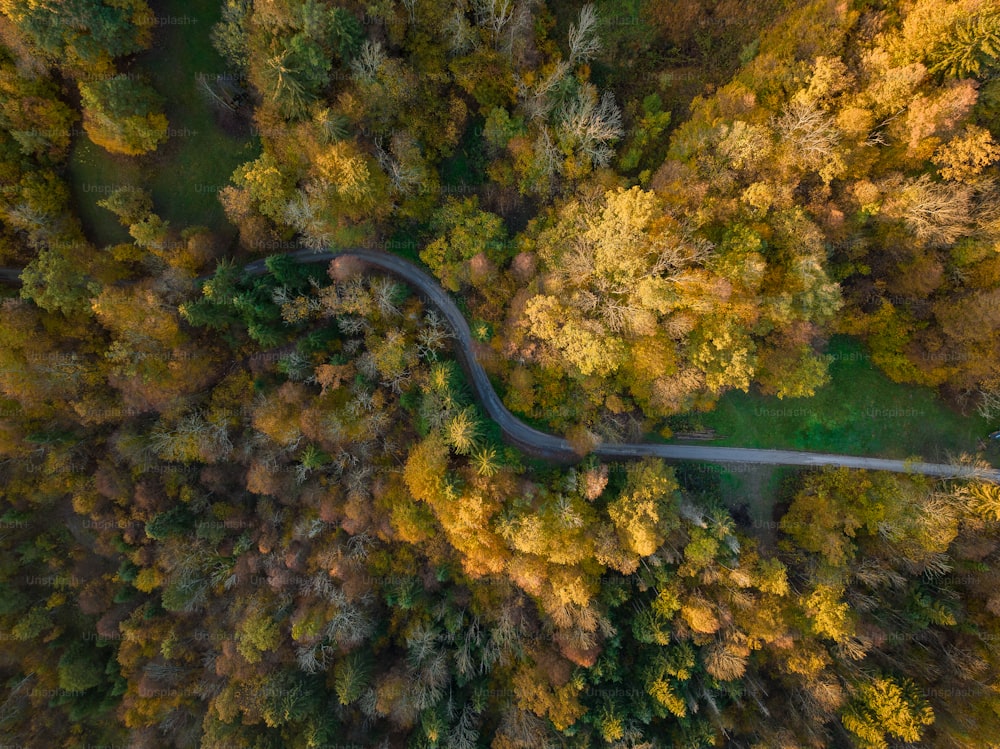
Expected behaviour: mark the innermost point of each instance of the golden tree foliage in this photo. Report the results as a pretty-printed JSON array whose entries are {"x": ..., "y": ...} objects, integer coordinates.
[
  {"x": 828, "y": 614},
  {"x": 964, "y": 157},
  {"x": 646, "y": 509},
  {"x": 560, "y": 704},
  {"x": 425, "y": 469},
  {"x": 884, "y": 708}
]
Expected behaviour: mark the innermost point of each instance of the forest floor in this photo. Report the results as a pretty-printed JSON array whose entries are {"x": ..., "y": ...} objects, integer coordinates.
[
  {"x": 186, "y": 173},
  {"x": 750, "y": 491}
]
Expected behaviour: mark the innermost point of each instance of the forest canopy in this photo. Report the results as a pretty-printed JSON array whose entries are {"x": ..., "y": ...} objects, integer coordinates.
[{"x": 250, "y": 499}]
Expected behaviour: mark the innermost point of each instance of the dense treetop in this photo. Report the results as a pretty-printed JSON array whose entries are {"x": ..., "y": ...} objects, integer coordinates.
[{"x": 263, "y": 510}]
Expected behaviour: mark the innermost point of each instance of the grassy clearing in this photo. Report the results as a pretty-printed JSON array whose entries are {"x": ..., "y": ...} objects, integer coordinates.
[
  {"x": 200, "y": 157},
  {"x": 860, "y": 412},
  {"x": 186, "y": 173},
  {"x": 93, "y": 174}
]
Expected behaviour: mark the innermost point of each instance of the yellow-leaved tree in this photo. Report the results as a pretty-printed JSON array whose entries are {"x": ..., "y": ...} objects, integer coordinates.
[{"x": 612, "y": 264}]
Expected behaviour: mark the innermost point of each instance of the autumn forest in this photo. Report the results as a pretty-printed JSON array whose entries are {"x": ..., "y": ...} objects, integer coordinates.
[{"x": 251, "y": 495}]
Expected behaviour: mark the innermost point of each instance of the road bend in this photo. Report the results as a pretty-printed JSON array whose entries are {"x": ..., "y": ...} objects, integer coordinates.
[
  {"x": 557, "y": 449},
  {"x": 550, "y": 447}
]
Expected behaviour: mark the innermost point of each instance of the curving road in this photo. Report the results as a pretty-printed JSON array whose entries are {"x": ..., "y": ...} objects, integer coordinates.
[
  {"x": 550, "y": 447},
  {"x": 554, "y": 448}
]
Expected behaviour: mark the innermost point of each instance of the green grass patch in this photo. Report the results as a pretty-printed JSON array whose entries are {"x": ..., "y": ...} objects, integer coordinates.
[
  {"x": 186, "y": 173},
  {"x": 94, "y": 173},
  {"x": 197, "y": 161},
  {"x": 860, "y": 412}
]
